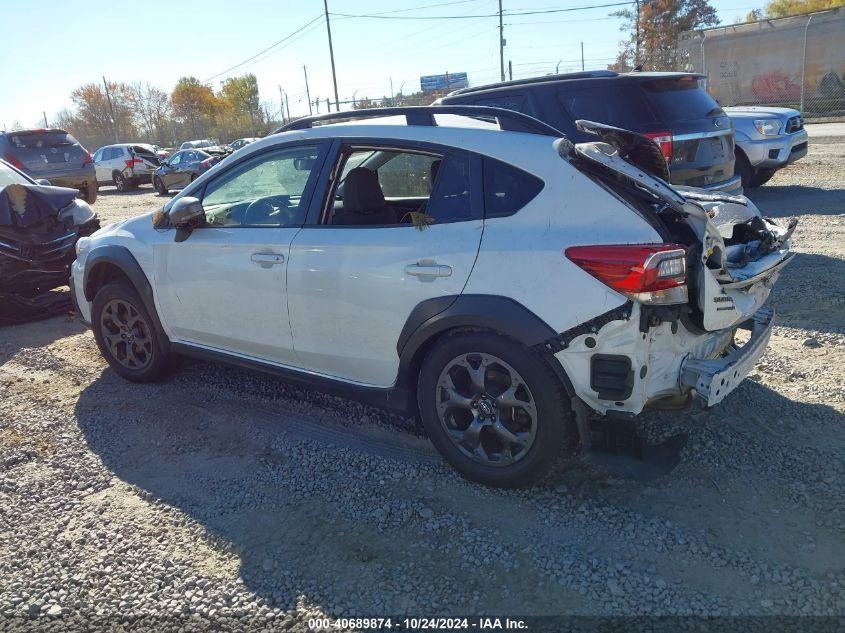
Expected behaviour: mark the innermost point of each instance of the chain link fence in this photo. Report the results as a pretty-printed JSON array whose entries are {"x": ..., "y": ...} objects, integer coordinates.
[{"x": 796, "y": 62}]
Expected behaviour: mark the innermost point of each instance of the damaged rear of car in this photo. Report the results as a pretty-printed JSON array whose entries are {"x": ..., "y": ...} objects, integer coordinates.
[
  {"x": 39, "y": 228},
  {"x": 710, "y": 278}
]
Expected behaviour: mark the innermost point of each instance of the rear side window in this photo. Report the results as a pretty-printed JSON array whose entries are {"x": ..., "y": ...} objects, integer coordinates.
[
  {"x": 680, "y": 99},
  {"x": 39, "y": 140},
  {"x": 507, "y": 189},
  {"x": 621, "y": 106}
]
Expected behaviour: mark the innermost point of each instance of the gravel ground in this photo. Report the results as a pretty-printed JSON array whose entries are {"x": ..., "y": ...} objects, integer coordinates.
[{"x": 240, "y": 501}]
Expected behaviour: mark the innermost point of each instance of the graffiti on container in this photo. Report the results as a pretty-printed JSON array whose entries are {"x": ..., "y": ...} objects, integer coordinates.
[{"x": 775, "y": 86}]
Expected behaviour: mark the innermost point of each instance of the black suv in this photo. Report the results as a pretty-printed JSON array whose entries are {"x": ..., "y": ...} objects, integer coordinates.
[{"x": 693, "y": 132}]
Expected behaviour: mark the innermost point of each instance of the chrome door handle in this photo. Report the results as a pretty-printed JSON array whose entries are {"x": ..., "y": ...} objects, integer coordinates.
[
  {"x": 265, "y": 260},
  {"x": 428, "y": 270}
]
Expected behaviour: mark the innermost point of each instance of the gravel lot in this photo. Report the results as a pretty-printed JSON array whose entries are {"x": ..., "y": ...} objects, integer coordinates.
[{"x": 222, "y": 494}]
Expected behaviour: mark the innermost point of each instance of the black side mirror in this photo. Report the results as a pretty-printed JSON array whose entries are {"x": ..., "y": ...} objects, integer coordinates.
[{"x": 186, "y": 214}]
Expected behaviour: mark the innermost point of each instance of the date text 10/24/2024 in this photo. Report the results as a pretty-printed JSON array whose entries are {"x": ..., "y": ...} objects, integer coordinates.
[{"x": 417, "y": 624}]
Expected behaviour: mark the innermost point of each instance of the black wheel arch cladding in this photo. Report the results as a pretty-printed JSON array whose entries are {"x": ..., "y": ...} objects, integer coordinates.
[{"x": 120, "y": 258}]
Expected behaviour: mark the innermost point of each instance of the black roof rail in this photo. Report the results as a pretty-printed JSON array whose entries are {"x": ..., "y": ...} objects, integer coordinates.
[
  {"x": 588, "y": 74},
  {"x": 509, "y": 120}
]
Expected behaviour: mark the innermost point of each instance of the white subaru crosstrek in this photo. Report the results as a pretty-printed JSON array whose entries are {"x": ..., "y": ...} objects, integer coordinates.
[{"x": 464, "y": 262}]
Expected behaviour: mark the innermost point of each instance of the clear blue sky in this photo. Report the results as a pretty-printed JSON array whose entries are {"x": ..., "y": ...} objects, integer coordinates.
[{"x": 50, "y": 50}]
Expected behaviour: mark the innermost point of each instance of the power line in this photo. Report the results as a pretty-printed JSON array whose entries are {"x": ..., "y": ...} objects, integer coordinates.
[
  {"x": 284, "y": 39},
  {"x": 480, "y": 15}
]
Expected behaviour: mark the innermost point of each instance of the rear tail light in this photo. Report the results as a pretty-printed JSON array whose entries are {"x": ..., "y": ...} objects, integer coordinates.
[
  {"x": 207, "y": 163},
  {"x": 88, "y": 159},
  {"x": 133, "y": 161},
  {"x": 664, "y": 142},
  {"x": 649, "y": 273},
  {"x": 14, "y": 162}
]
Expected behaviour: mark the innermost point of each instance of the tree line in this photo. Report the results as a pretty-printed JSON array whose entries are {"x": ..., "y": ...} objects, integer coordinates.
[{"x": 142, "y": 112}]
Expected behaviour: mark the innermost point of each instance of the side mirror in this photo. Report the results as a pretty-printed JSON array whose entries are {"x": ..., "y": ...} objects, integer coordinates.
[
  {"x": 186, "y": 214},
  {"x": 45, "y": 182}
]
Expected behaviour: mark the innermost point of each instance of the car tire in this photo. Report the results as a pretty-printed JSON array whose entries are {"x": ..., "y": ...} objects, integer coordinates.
[
  {"x": 761, "y": 177},
  {"x": 89, "y": 193},
  {"x": 120, "y": 182},
  {"x": 127, "y": 335},
  {"x": 460, "y": 416},
  {"x": 742, "y": 168},
  {"x": 159, "y": 186}
]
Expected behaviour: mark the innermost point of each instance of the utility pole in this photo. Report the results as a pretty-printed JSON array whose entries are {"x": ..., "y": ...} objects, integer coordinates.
[
  {"x": 307, "y": 92},
  {"x": 111, "y": 109},
  {"x": 44, "y": 112},
  {"x": 331, "y": 56},
  {"x": 287, "y": 107},
  {"x": 317, "y": 103},
  {"x": 637, "y": 45},
  {"x": 510, "y": 69},
  {"x": 501, "y": 43},
  {"x": 391, "y": 88},
  {"x": 282, "y": 104},
  {"x": 329, "y": 106},
  {"x": 582, "y": 55}
]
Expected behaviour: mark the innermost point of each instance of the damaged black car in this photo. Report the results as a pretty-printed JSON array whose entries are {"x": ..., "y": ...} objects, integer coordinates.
[{"x": 39, "y": 228}]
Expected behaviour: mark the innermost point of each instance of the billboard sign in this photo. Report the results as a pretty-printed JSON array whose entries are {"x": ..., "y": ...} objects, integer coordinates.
[{"x": 448, "y": 81}]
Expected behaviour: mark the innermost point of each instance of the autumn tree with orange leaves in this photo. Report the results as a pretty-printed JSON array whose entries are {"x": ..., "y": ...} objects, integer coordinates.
[{"x": 660, "y": 23}]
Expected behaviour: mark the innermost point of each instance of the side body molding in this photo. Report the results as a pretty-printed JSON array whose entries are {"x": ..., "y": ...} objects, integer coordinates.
[{"x": 120, "y": 257}]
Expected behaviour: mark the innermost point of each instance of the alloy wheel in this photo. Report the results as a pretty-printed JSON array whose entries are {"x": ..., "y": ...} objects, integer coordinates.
[
  {"x": 487, "y": 409},
  {"x": 126, "y": 334},
  {"x": 119, "y": 182}
]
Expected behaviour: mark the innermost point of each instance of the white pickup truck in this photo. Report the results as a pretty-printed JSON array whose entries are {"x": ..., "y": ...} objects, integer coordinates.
[{"x": 767, "y": 138}]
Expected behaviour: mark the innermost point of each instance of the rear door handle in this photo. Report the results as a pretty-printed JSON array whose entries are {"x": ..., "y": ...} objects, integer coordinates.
[
  {"x": 428, "y": 270},
  {"x": 265, "y": 260}
]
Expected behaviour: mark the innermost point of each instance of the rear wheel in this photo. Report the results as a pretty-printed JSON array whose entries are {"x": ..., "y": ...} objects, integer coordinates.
[
  {"x": 742, "y": 168},
  {"x": 495, "y": 409},
  {"x": 89, "y": 193},
  {"x": 126, "y": 334},
  {"x": 120, "y": 182},
  {"x": 159, "y": 186}
]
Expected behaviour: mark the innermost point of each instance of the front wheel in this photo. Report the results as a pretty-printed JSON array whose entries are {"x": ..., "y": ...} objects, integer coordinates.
[
  {"x": 126, "y": 334},
  {"x": 495, "y": 409},
  {"x": 159, "y": 186}
]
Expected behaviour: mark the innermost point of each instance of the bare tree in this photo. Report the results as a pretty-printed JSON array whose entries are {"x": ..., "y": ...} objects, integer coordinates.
[{"x": 151, "y": 106}]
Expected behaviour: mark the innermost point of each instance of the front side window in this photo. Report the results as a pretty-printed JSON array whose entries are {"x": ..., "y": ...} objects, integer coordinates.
[
  {"x": 176, "y": 159},
  {"x": 394, "y": 187},
  {"x": 265, "y": 191},
  {"x": 98, "y": 155}
]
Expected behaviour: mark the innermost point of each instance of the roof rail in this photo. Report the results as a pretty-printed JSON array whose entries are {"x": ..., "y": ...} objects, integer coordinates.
[
  {"x": 588, "y": 74},
  {"x": 509, "y": 120}
]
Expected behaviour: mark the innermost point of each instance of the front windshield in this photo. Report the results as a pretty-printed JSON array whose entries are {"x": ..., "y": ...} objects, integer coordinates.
[{"x": 9, "y": 176}]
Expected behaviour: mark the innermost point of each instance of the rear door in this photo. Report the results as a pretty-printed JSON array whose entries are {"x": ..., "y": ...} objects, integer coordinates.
[
  {"x": 702, "y": 134},
  {"x": 352, "y": 286}
]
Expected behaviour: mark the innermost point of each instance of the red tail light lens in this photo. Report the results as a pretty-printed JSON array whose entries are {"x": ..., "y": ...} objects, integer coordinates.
[
  {"x": 88, "y": 159},
  {"x": 650, "y": 273},
  {"x": 133, "y": 161},
  {"x": 14, "y": 162},
  {"x": 664, "y": 141},
  {"x": 207, "y": 163}
]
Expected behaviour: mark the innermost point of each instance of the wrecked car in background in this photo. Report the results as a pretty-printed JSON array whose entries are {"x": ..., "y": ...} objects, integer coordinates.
[
  {"x": 39, "y": 228},
  {"x": 51, "y": 154}
]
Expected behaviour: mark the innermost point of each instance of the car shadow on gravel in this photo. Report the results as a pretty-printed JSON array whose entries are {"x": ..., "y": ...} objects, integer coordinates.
[
  {"x": 360, "y": 534},
  {"x": 810, "y": 294},
  {"x": 137, "y": 191},
  {"x": 788, "y": 200}
]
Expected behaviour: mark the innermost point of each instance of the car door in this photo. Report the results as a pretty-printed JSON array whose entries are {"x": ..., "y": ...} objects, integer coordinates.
[
  {"x": 352, "y": 286},
  {"x": 98, "y": 159},
  {"x": 169, "y": 174},
  {"x": 224, "y": 288}
]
